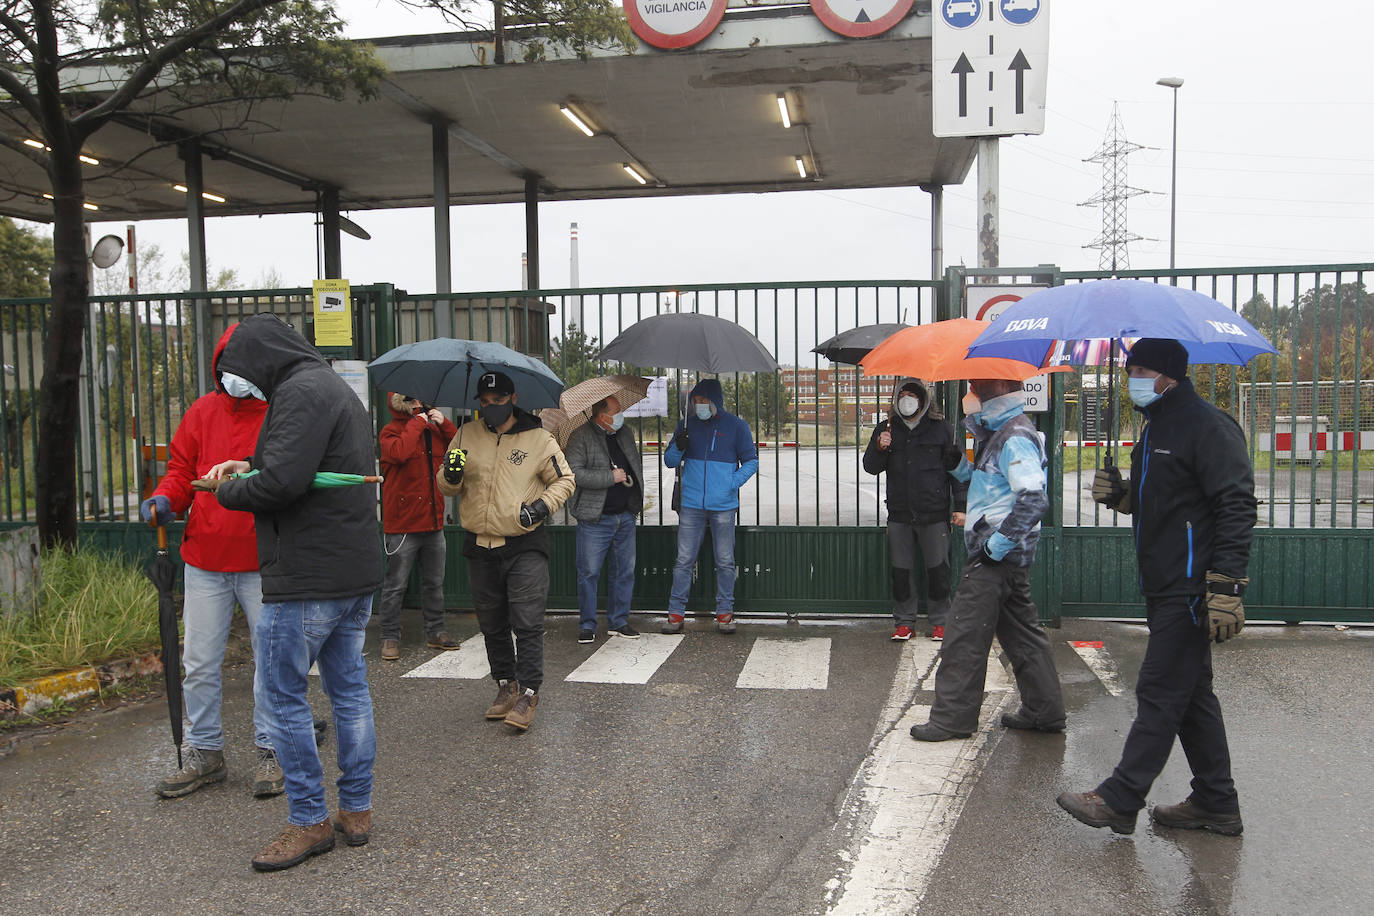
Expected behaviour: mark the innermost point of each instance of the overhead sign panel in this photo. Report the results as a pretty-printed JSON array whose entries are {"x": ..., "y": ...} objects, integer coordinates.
[
  {"x": 989, "y": 67},
  {"x": 673, "y": 23},
  {"x": 860, "y": 18}
]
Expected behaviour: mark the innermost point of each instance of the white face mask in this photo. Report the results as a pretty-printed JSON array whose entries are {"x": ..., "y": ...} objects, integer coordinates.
[
  {"x": 971, "y": 404},
  {"x": 617, "y": 421},
  {"x": 908, "y": 405},
  {"x": 703, "y": 411},
  {"x": 238, "y": 387},
  {"x": 1142, "y": 391}
]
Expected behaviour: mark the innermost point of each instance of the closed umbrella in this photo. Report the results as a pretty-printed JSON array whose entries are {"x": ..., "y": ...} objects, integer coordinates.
[
  {"x": 690, "y": 340},
  {"x": 444, "y": 372},
  {"x": 576, "y": 404},
  {"x": 162, "y": 573},
  {"x": 850, "y": 347}
]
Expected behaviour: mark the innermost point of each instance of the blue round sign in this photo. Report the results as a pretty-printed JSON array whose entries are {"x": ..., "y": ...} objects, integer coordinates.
[
  {"x": 961, "y": 14},
  {"x": 1020, "y": 12}
]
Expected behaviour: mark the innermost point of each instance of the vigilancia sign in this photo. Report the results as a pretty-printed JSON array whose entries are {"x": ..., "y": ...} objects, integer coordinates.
[{"x": 683, "y": 23}]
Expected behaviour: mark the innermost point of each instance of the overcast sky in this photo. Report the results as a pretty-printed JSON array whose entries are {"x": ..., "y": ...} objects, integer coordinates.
[{"x": 1275, "y": 123}]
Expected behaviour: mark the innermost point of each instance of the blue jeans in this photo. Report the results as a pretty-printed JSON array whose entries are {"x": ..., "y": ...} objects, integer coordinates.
[
  {"x": 293, "y": 635},
  {"x": 691, "y": 530},
  {"x": 208, "y": 612},
  {"x": 614, "y": 534}
]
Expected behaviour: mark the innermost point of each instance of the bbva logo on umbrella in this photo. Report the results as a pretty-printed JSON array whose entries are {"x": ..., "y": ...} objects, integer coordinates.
[{"x": 1026, "y": 324}]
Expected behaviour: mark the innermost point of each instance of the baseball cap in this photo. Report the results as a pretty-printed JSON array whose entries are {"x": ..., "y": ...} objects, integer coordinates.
[{"x": 498, "y": 382}]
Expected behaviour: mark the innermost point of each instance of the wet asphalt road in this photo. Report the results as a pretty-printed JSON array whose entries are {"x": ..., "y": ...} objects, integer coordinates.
[{"x": 688, "y": 795}]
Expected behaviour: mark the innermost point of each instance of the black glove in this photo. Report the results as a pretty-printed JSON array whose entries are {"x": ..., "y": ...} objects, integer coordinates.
[
  {"x": 1110, "y": 490},
  {"x": 983, "y": 558},
  {"x": 159, "y": 507},
  {"x": 455, "y": 459},
  {"x": 533, "y": 513},
  {"x": 1225, "y": 610},
  {"x": 680, "y": 439}
]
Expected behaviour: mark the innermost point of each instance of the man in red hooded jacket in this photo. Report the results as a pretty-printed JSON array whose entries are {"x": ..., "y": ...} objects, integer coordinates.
[
  {"x": 220, "y": 550},
  {"x": 413, "y": 446}
]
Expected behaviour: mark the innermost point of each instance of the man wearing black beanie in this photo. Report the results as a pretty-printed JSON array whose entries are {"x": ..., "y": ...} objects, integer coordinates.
[{"x": 1192, "y": 495}]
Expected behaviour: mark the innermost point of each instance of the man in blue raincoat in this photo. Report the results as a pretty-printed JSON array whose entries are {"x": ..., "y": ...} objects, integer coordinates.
[{"x": 717, "y": 452}]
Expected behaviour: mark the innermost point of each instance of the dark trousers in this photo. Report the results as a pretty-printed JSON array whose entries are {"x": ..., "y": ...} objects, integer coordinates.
[
  {"x": 1174, "y": 698},
  {"x": 510, "y": 595},
  {"x": 903, "y": 538},
  {"x": 994, "y": 600},
  {"x": 402, "y": 550}
]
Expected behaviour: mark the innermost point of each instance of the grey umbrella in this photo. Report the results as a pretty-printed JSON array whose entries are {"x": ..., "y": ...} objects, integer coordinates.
[
  {"x": 850, "y": 347},
  {"x": 444, "y": 372},
  {"x": 690, "y": 340}
]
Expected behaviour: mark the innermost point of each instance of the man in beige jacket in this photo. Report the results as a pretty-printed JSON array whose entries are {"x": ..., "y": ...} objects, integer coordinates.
[{"x": 510, "y": 474}]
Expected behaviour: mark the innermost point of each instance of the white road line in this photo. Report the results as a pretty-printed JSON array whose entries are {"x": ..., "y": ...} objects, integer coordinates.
[
  {"x": 906, "y": 798},
  {"x": 1101, "y": 664},
  {"x": 626, "y": 661},
  {"x": 468, "y": 662},
  {"x": 314, "y": 670},
  {"x": 787, "y": 664}
]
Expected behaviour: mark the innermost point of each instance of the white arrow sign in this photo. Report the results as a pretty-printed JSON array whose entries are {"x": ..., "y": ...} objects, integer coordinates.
[{"x": 989, "y": 66}]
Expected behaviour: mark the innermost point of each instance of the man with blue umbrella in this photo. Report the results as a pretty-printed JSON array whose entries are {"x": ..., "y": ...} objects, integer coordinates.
[{"x": 1192, "y": 495}]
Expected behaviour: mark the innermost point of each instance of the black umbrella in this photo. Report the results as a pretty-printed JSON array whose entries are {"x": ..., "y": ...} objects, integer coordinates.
[
  {"x": 850, "y": 347},
  {"x": 690, "y": 340},
  {"x": 162, "y": 573}
]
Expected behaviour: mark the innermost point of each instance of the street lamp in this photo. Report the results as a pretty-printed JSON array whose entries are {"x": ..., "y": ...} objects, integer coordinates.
[{"x": 1172, "y": 82}]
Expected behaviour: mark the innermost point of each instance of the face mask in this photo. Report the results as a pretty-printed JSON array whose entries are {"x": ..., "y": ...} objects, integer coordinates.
[
  {"x": 617, "y": 421},
  {"x": 495, "y": 414},
  {"x": 1142, "y": 391},
  {"x": 907, "y": 406},
  {"x": 971, "y": 404},
  {"x": 703, "y": 411},
  {"x": 238, "y": 387}
]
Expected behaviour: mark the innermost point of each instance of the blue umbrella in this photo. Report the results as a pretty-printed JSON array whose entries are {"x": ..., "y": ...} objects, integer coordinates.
[
  {"x": 444, "y": 372},
  {"x": 1052, "y": 327}
]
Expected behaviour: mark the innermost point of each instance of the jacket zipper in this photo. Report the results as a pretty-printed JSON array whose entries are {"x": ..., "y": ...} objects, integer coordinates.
[
  {"x": 429, "y": 463},
  {"x": 1190, "y": 549}
]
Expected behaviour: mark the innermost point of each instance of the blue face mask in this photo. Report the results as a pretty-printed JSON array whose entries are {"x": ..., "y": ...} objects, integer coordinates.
[
  {"x": 1142, "y": 391},
  {"x": 617, "y": 421},
  {"x": 238, "y": 387},
  {"x": 703, "y": 411}
]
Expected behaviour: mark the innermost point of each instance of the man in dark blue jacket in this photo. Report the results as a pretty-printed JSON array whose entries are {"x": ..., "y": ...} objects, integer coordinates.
[
  {"x": 1192, "y": 495},
  {"x": 717, "y": 453}
]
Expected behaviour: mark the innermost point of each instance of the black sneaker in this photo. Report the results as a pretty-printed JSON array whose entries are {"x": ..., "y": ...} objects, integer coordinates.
[
  {"x": 626, "y": 631},
  {"x": 586, "y": 636},
  {"x": 1024, "y": 722},
  {"x": 929, "y": 731}
]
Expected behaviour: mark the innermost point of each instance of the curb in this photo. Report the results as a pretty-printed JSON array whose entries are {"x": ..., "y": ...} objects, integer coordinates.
[{"x": 41, "y": 693}]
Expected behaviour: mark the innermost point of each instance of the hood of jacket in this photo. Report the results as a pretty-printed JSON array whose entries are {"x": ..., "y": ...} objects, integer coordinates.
[
  {"x": 928, "y": 405},
  {"x": 395, "y": 402},
  {"x": 265, "y": 350},
  {"x": 710, "y": 389},
  {"x": 996, "y": 412}
]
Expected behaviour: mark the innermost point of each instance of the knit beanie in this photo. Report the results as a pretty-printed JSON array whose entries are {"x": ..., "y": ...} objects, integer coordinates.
[{"x": 1165, "y": 356}]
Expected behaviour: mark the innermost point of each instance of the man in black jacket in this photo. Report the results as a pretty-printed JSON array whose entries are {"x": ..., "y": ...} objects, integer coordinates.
[
  {"x": 915, "y": 446},
  {"x": 321, "y": 563},
  {"x": 1192, "y": 495}
]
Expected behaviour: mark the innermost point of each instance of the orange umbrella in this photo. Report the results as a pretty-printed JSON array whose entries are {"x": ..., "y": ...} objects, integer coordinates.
[{"x": 937, "y": 353}]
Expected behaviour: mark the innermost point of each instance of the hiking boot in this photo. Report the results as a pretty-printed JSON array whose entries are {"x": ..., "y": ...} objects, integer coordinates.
[
  {"x": 356, "y": 826},
  {"x": 901, "y": 634},
  {"x": 627, "y": 631},
  {"x": 1089, "y": 808},
  {"x": 505, "y": 699},
  {"x": 929, "y": 731},
  {"x": 391, "y": 649},
  {"x": 199, "y": 768},
  {"x": 1188, "y": 816},
  {"x": 1022, "y": 720},
  {"x": 725, "y": 623},
  {"x": 937, "y": 633},
  {"x": 673, "y": 624},
  {"x": 294, "y": 846},
  {"x": 442, "y": 640},
  {"x": 321, "y": 726},
  {"x": 586, "y": 636},
  {"x": 270, "y": 780},
  {"x": 522, "y": 713}
]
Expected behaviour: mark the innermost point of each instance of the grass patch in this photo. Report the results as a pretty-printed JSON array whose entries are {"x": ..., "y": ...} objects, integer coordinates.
[{"x": 94, "y": 607}]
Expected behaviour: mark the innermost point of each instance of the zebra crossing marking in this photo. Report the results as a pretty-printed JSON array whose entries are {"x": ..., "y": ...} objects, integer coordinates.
[
  {"x": 1100, "y": 663},
  {"x": 626, "y": 661},
  {"x": 467, "y": 662},
  {"x": 787, "y": 664}
]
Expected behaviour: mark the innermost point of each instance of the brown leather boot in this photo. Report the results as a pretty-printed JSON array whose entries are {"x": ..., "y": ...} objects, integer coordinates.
[
  {"x": 294, "y": 846},
  {"x": 356, "y": 826},
  {"x": 522, "y": 713},
  {"x": 505, "y": 699}
]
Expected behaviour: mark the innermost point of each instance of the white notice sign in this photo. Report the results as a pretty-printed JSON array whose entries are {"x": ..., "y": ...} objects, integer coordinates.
[
  {"x": 989, "y": 66},
  {"x": 987, "y": 302}
]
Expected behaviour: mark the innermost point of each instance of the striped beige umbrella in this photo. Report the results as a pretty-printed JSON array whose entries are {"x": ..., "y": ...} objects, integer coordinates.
[{"x": 575, "y": 406}]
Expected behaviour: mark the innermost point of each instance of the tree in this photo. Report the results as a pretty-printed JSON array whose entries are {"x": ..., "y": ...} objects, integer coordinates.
[
  {"x": 25, "y": 260},
  {"x": 70, "y": 67},
  {"x": 579, "y": 25},
  {"x": 761, "y": 400},
  {"x": 573, "y": 357}
]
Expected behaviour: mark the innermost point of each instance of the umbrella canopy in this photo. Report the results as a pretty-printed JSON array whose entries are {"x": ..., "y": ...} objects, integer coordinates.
[
  {"x": 444, "y": 372},
  {"x": 850, "y": 347},
  {"x": 575, "y": 406},
  {"x": 935, "y": 352},
  {"x": 1057, "y": 325},
  {"x": 690, "y": 340},
  {"x": 162, "y": 573}
]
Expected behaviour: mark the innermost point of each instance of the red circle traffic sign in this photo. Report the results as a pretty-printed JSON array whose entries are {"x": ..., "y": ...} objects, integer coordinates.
[
  {"x": 686, "y": 21},
  {"x": 1007, "y": 298},
  {"x": 853, "y": 19}
]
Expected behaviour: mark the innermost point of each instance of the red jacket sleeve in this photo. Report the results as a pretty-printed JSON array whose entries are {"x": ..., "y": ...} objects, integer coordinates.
[{"x": 183, "y": 456}]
